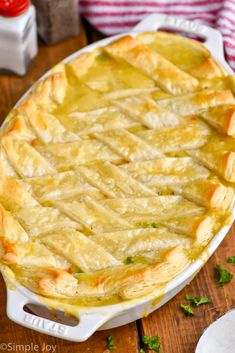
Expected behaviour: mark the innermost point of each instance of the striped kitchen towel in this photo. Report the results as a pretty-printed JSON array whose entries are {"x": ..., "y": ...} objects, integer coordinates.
[{"x": 112, "y": 17}]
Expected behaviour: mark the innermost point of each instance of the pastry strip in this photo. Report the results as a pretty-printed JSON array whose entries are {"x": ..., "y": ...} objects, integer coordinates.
[
  {"x": 147, "y": 112},
  {"x": 97, "y": 218},
  {"x": 192, "y": 57},
  {"x": 30, "y": 254},
  {"x": 89, "y": 67},
  {"x": 77, "y": 248},
  {"x": 113, "y": 181},
  {"x": 67, "y": 155},
  {"x": 127, "y": 145},
  {"x": 194, "y": 103},
  {"x": 14, "y": 196},
  {"x": 152, "y": 209},
  {"x": 40, "y": 220},
  {"x": 49, "y": 129},
  {"x": 145, "y": 242},
  {"x": 26, "y": 160},
  {"x": 208, "y": 194},
  {"x": 10, "y": 228},
  {"x": 108, "y": 118},
  {"x": 166, "y": 74},
  {"x": 198, "y": 228},
  {"x": 177, "y": 138},
  {"x": 222, "y": 118},
  {"x": 59, "y": 186},
  {"x": 221, "y": 162},
  {"x": 166, "y": 171}
]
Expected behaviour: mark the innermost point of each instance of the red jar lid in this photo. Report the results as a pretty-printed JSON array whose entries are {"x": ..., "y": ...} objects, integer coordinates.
[{"x": 13, "y": 8}]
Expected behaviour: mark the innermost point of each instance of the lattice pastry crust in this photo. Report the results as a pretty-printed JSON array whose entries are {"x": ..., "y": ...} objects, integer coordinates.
[{"x": 117, "y": 170}]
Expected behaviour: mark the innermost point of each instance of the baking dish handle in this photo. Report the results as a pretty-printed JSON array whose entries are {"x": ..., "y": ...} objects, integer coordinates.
[
  {"x": 212, "y": 38},
  {"x": 87, "y": 325}
]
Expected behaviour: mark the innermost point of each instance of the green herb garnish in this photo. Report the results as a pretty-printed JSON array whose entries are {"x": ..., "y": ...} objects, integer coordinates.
[
  {"x": 187, "y": 310},
  {"x": 141, "y": 350},
  {"x": 110, "y": 345},
  {"x": 231, "y": 259},
  {"x": 129, "y": 260},
  {"x": 196, "y": 301},
  {"x": 155, "y": 225},
  {"x": 153, "y": 343},
  {"x": 223, "y": 276}
]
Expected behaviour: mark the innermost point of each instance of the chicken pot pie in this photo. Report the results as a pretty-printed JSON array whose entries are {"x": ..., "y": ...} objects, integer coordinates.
[{"x": 117, "y": 170}]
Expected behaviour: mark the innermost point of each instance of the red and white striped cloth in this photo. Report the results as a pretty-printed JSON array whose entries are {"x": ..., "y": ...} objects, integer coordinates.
[{"x": 112, "y": 17}]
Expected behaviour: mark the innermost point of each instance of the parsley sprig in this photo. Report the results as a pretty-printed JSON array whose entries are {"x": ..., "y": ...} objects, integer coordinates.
[
  {"x": 152, "y": 343},
  {"x": 231, "y": 259},
  {"x": 129, "y": 260},
  {"x": 197, "y": 301},
  {"x": 187, "y": 310},
  {"x": 110, "y": 345},
  {"x": 223, "y": 276},
  {"x": 155, "y": 225}
]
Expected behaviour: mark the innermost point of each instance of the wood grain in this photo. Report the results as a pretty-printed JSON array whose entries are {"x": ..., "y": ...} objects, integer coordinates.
[{"x": 179, "y": 333}]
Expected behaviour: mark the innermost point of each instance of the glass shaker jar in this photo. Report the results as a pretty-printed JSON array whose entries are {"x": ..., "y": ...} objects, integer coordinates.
[
  {"x": 18, "y": 35},
  {"x": 57, "y": 19}
]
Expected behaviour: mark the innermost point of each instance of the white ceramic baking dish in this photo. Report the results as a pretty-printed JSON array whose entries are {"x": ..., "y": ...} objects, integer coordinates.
[{"x": 104, "y": 317}]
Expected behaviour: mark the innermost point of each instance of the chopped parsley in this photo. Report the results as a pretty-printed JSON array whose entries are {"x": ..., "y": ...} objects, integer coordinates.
[
  {"x": 187, "y": 310},
  {"x": 110, "y": 345},
  {"x": 231, "y": 259},
  {"x": 129, "y": 260},
  {"x": 196, "y": 301},
  {"x": 153, "y": 343},
  {"x": 155, "y": 225},
  {"x": 141, "y": 350},
  {"x": 223, "y": 276}
]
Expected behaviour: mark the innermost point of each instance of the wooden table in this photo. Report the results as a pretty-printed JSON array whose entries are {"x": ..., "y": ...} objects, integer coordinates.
[{"x": 178, "y": 333}]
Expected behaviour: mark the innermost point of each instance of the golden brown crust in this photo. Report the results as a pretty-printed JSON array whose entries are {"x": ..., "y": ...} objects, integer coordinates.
[
  {"x": 8, "y": 253},
  {"x": 207, "y": 69},
  {"x": 10, "y": 227},
  {"x": 99, "y": 199},
  {"x": 83, "y": 62},
  {"x": 48, "y": 93},
  {"x": 221, "y": 162},
  {"x": 167, "y": 75},
  {"x": 227, "y": 166},
  {"x": 197, "y": 228},
  {"x": 195, "y": 103},
  {"x": 222, "y": 118},
  {"x": 13, "y": 196},
  {"x": 202, "y": 228},
  {"x": 208, "y": 193},
  {"x": 128, "y": 281},
  {"x": 17, "y": 128},
  {"x": 230, "y": 128}
]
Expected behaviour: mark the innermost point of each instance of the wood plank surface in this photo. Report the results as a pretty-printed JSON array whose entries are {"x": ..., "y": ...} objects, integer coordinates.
[{"x": 178, "y": 333}]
